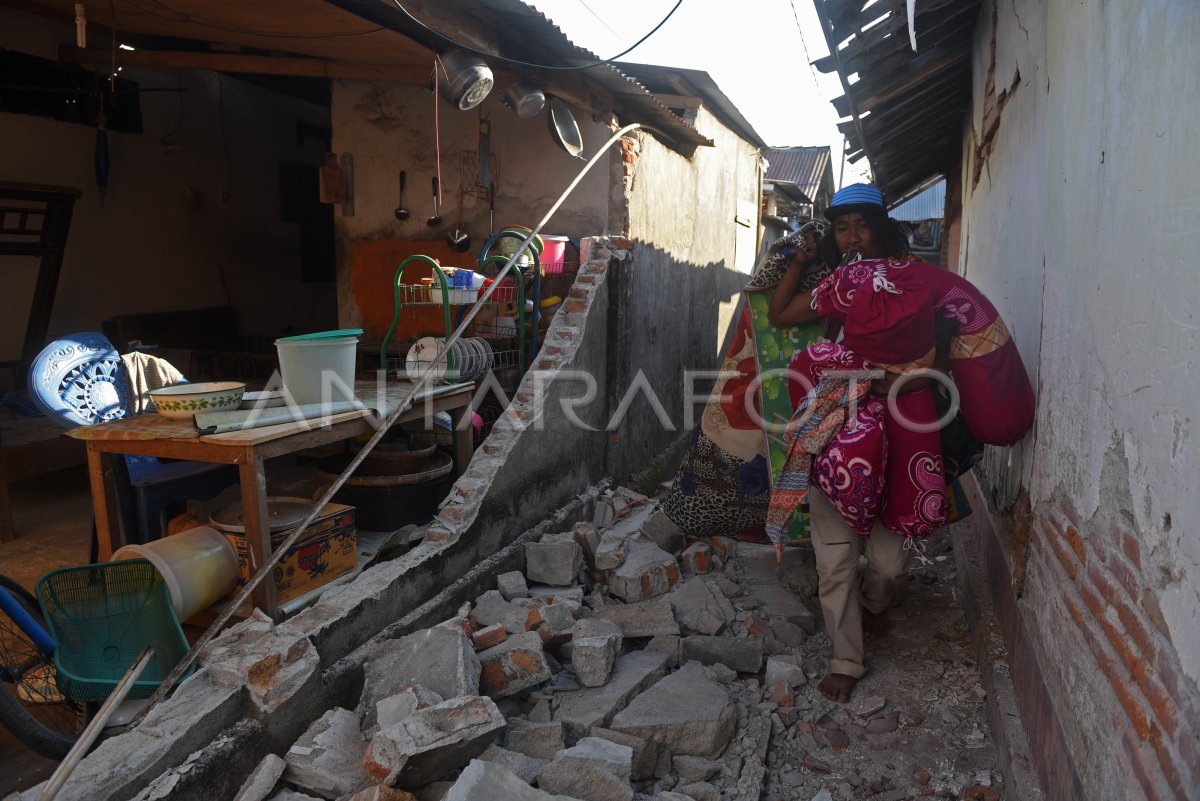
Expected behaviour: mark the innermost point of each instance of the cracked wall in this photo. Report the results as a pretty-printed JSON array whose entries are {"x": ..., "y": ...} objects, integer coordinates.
[{"x": 1077, "y": 222}]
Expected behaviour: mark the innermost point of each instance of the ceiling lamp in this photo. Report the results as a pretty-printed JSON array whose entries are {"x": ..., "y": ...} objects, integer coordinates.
[
  {"x": 465, "y": 80},
  {"x": 525, "y": 99}
]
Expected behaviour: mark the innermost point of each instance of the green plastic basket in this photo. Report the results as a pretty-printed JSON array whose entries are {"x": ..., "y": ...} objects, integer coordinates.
[{"x": 102, "y": 616}]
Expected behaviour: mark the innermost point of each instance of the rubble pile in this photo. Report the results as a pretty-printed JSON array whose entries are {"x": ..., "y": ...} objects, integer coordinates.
[{"x": 628, "y": 664}]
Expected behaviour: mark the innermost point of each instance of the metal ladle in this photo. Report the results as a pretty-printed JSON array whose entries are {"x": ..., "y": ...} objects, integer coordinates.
[{"x": 436, "y": 219}]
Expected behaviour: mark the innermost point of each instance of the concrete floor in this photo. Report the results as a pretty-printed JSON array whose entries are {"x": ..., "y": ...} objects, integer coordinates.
[{"x": 52, "y": 516}]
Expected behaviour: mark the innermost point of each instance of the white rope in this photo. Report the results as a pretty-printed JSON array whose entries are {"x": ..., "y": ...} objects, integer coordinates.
[{"x": 918, "y": 549}]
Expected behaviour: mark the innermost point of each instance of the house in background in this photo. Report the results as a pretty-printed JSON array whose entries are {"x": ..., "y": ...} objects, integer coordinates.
[
  {"x": 801, "y": 178},
  {"x": 920, "y": 213},
  {"x": 1063, "y": 128}
]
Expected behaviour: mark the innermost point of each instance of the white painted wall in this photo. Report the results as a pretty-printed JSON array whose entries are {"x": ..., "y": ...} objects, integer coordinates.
[
  {"x": 146, "y": 247},
  {"x": 1082, "y": 230}
]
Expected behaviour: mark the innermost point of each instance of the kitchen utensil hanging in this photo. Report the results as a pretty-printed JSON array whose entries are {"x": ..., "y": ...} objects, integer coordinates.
[
  {"x": 458, "y": 239},
  {"x": 401, "y": 212},
  {"x": 436, "y": 219},
  {"x": 564, "y": 129}
]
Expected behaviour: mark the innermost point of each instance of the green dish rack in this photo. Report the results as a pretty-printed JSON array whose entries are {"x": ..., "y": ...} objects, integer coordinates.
[{"x": 102, "y": 616}]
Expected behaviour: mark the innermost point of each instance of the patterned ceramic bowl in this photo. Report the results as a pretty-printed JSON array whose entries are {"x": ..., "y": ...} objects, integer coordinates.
[{"x": 182, "y": 401}]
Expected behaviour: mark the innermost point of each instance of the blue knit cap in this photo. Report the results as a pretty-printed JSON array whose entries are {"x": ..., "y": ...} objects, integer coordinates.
[{"x": 856, "y": 197}]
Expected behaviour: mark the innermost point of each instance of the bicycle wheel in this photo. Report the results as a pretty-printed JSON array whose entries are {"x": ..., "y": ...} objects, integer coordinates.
[{"x": 31, "y": 707}]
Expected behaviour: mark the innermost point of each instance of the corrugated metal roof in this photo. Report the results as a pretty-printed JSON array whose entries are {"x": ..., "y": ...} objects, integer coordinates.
[
  {"x": 803, "y": 166},
  {"x": 519, "y": 31},
  {"x": 928, "y": 204},
  {"x": 906, "y": 108},
  {"x": 658, "y": 79}
]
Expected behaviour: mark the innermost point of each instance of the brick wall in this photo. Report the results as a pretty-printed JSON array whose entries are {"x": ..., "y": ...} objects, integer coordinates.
[{"x": 1104, "y": 638}]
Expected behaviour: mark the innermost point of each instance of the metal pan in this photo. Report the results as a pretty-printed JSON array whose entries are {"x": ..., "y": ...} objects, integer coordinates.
[{"x": 564, "y": 129}]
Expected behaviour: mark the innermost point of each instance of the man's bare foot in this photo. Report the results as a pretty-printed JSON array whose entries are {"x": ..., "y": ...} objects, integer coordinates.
[
  {"x": 875, "y": 623},
  {"x": 837, "y": 687}
]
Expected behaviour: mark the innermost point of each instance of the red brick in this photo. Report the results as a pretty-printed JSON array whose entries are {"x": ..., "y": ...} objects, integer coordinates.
[
  {"x": 1137, "y": 715},
  {"x": 1064, "y": 558},
  {"x": 486, "y": 638},
  {"x": 1117, "y": 638},
  {"x": 555, "y": 350},
  {"x": 1137, "y": 762},
  {"x": 1126, "y": 578},
  {"x": 1166, "y": 762},
  {"x": 1093, "y": 601},
  {"x": 465, "y": 625},
  {"x": 1076, "y": 543},
  {"x": 1133, "y": 626},
  {"x": 1076, "y": 612},
  {"x": 579, "y": 292},
  {"x": 1154, "y": 614},
  {"x": 534, "y": 618},
  {"x": 755, "y": 627},
  {"x": 585, "y": 279},
  {"x": 781, "y": 694},
  {"x": 620, "y": 243},
  {"x": 1132, "y": 548},
  {"x": 575, "y": 306}
]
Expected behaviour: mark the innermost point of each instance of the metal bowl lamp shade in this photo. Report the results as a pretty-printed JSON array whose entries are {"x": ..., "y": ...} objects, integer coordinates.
[
  {"x": 525, "y": 99},
  {"x": 466, "y": 79},
  {"x": 564, "y": 128}
]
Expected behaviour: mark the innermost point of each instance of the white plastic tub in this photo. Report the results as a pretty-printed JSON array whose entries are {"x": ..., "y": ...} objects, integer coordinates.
[
  {"x": 198, "y": 566},
  {"x": 318, "y": 370}
]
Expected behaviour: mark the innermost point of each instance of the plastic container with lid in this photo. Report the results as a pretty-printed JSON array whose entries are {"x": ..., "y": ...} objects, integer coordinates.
[{"x": 319, "y": 368}]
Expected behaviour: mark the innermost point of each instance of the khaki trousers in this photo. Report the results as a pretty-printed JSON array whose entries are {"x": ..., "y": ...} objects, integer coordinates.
[{"x": 842, "y": 592}]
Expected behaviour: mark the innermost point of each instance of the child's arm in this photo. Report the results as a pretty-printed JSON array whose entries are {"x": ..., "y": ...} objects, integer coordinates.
[{"x": 789, "y": 307}]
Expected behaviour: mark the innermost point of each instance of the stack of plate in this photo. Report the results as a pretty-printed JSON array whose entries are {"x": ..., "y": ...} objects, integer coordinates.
[{"x": 473, "y": 357}]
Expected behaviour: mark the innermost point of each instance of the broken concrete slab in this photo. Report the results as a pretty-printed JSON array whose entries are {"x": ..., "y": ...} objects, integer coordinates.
[
  {"x": 743, "y": 654},
  {"x": 695, "y": 769},
  {"x": 538, "y": 740},
  {"x": 670, "y": 645},
  {"x": 556, "y": 624},
  {"x": 571, "y": 596},
  {"x": 700, "y": 791},
  {"x": 701, "y": 607},
  {"x": 588, "y": 537},
  {"x": 593, "y": 770},
  {"x": 432, "y": 742},
  {"x": 488, "y": 781},
  {"x": 595, "y": 644},
  {"x": 381, "y": 792},
  {"x": 686, "y": 711},
  {"x": 291, "y": 795},
  {"x": 659, "y": 529},
  {"x": 647, "y": 571},
  {"x": 489, "y": 637},
  {"x": 327, "y": 759},
  {"x": 595, "y": 706},
  {"x": 523, "y": 767},
  {"x": 274, "y": 665},
  {"x": 512, "y": 585},
  {"x": 643, "y": 619},
  {"x": 610, "y": 553},
  {"x": 555, "y": 560},
  {"x": 645, "y": 752},
  {"x": 696, "y": 558},
  {"x": 441, "y": 659},
  {"x": 262, "y": 779},
  {"x": 513, "y": 665},
  {"x": 786, "y": 667},
  {"x": 395, "y": 708},
  {"x": 491, "y": 609}
]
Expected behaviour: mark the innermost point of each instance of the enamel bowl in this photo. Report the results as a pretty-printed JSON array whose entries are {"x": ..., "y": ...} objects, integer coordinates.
[{"x": 182, "y": 401}]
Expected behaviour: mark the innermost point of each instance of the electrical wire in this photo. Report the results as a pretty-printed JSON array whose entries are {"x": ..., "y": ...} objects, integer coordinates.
[
  {"x": 180, "y": 16},
  {"x": 601, "y": 20},
  {"x": 505, "y": 59},
  {"x": 804, "y": 44}
]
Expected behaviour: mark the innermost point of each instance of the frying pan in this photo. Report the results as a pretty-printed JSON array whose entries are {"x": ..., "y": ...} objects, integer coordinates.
[{"x": 564, "y": 129}]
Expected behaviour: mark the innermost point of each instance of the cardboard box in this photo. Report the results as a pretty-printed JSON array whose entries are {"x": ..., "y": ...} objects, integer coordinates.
[{"x": 328, "y": 549}]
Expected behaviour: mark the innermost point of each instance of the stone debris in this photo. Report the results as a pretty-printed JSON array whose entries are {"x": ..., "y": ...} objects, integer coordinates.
[
  {"x": 595, "y": 644},
  {"x": 274, "y": 667},
  {"x": 524, "y": 767},
  {"x": 514, "y": 665},
  {"x": 538, "y": 740},
  {"x": 701, "y": 608},
  {"x": 686, "y": 711},
  {"x": 696, "y": 558},
  {"x": 262, "y": 781},
  {"x": 622, "y": 666},
  {"x": 512, "y": 585},
  {"x": 292, "y": 795},
  {"x": 431, "y": 742},
  {"x": 327, "y": 759},
  {"x": 745, "y": 655},
  {"x": 488, "y": 781},
  {"x": 555, "y": 560},
  {"x": 648, "y": 571},
  {"x": 592, "y": 770},
  {"x": 644, "y": 619},
  {"x": 440, "y": 659}
]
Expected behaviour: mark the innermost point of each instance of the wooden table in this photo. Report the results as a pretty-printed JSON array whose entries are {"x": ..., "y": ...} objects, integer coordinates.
[{"x": 153, "y": 435}]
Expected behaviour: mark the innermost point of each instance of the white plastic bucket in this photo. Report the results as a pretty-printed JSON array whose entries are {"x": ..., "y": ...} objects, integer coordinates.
[
  {"x": 318, "y": 370},
  {"x": 198, "y": 566}
]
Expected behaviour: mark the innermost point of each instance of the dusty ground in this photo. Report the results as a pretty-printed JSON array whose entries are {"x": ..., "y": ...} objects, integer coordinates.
[{"x": 920, "y": 670}]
